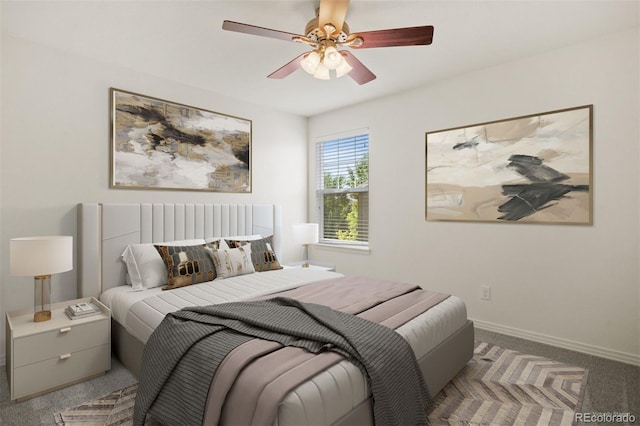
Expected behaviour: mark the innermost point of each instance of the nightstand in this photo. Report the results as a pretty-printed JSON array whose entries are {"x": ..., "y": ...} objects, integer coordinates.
[
  {"x": 312, "y": 265},
  {"x": 45, "y": 356}
]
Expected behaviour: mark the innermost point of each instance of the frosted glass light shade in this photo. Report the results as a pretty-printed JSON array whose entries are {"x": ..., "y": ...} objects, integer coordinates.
[
  {"x": 322, "y": 72},
  {"x": 305, "y": 233},
  {"x": 310, "y": 62},
  {"x": 332, "y": 58},
  {"x": 343, "y": 69}
]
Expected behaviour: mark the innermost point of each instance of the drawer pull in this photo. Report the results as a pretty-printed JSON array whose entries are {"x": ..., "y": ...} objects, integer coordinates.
[
  {"x": 65, "y": 356},
  {"x": 64, "y": 330}
]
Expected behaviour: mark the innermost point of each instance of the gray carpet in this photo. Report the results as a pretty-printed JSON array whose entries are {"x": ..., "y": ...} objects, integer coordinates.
[
  {"x": 40, "y": 410},
  {"x": 611, "y": 386}
]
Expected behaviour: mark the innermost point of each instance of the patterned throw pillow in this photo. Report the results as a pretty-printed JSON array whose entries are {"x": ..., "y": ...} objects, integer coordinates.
[
  {"x": 262, "y": 254},
  {"x": 145, "y": 268},
  {"x": 232, "y": 262},
  {"x": 188, "y": 265}
]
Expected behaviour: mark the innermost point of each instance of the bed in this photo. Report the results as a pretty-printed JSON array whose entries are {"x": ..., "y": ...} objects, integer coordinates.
[{"x": 441, "y": 337}]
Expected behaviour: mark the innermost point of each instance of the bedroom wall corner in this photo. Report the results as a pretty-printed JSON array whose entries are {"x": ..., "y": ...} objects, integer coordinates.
[{"x": 56, "y": 144}]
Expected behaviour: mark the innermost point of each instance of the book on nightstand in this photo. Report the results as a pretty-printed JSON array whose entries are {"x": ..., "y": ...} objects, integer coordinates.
[{"x": 82, "y": 310}]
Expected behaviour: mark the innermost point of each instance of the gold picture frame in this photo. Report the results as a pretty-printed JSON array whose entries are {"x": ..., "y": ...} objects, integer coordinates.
[
  {"x": 158, "y": 144},
  {"x": 530, "y": 169}
]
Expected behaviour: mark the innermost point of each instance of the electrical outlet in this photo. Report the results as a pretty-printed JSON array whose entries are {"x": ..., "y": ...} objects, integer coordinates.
[{"x": 485, "y": 292}]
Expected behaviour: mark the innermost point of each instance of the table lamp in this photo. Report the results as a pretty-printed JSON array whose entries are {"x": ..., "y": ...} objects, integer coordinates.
[
  {"x": 305, "y": 234},
  {"x": 39, "y": 257}
]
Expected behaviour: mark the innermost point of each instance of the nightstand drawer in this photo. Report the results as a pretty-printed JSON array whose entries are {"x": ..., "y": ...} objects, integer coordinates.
[
  {"x": 60, "y": 370},
  {"x": 69, "y": 339}
]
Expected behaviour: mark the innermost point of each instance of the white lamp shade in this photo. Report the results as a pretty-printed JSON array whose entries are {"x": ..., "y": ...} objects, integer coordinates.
[
  {"x": 34, "y": 256},
  {"x": 305, "y": 233}
]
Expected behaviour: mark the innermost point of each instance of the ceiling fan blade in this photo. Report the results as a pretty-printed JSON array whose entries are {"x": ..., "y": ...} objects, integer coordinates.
[
  {"x": 259, "y": 31},
  {"x": 360, "y": 73},
  {"x": 410, "y": 36},
  {"x": 332, "y": 12},
  {"x": 287, "y": 69}
]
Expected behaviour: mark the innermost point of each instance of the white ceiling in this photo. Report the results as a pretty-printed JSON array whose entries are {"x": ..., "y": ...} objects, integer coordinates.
[{"x": 183, "y": 40}]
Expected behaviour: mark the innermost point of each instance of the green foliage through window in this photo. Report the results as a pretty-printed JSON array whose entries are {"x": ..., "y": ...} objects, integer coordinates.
[{"x": 343, "y": 193}]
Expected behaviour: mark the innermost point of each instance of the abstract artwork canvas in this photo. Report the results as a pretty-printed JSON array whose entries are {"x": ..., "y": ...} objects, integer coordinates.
[
  {"x": 529, "y": 169},
  {"x": 157, "y": 144}
]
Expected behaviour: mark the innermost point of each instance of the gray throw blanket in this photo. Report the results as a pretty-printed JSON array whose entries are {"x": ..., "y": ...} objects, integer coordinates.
[{"x": 175, "y": 378}]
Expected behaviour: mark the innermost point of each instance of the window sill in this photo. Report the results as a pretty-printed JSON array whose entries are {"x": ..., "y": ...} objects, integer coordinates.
[{"x": 364, "y": 250}]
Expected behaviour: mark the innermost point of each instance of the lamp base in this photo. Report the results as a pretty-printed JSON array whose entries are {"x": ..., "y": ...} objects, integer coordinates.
[
  {"x": 42, "y": 298},
  {"x": 42, "y": 316}
]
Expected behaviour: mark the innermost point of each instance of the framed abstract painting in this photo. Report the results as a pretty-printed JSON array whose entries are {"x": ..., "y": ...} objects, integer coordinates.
[
  {"x": 530, "y": 169},
  {"x": 157, "y": 144}
]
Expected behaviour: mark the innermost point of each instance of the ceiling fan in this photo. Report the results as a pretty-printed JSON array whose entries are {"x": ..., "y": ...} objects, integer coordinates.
[{"x": 327, "y": 32}]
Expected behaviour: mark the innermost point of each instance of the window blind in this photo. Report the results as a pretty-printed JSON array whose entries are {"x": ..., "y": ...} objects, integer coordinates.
[{"x": 343, "y": 189}]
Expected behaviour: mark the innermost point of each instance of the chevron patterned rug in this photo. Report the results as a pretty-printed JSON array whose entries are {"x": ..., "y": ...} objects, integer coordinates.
[
  {"x": 504, "y": 387},
  {"x": 113, "y": 409},
  {"x": 497, "y": 387}
]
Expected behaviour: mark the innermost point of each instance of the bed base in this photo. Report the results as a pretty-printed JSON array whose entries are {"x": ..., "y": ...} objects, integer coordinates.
[{"x": 438, "y": 366}]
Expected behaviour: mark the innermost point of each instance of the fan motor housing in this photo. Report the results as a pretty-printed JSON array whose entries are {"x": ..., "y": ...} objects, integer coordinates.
[{"x": 315, "y": 33}]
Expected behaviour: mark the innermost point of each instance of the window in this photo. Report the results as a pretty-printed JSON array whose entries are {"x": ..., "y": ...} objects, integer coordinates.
[{"x": 343, "y": 189}]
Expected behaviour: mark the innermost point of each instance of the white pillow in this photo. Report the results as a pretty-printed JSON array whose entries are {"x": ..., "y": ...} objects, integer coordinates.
[
  {"x": 145, "y": 267},
  {"x": 232, "y": 262}
]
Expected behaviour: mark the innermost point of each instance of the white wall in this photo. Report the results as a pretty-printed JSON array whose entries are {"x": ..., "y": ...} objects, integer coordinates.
[
  {"x": 55, "y": 153},
  {"x": 575, "y": 286}
]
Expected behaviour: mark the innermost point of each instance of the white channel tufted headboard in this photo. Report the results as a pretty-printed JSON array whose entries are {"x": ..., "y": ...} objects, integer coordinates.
[{"x": 105, "y": 230}]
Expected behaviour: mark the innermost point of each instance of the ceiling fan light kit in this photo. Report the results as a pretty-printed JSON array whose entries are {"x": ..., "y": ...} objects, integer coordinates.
[
  {"x": 325, "y": 58},
  {"x": 328, "y": 31}
]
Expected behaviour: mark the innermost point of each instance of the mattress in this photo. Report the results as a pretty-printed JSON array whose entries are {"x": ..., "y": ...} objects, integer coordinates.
[
  {"x": 140, "y": 312},
  {"x": 321, "y": 400}
]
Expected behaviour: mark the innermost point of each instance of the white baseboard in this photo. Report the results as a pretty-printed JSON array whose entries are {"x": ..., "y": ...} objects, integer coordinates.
[{"x": 627, "y": 358}]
